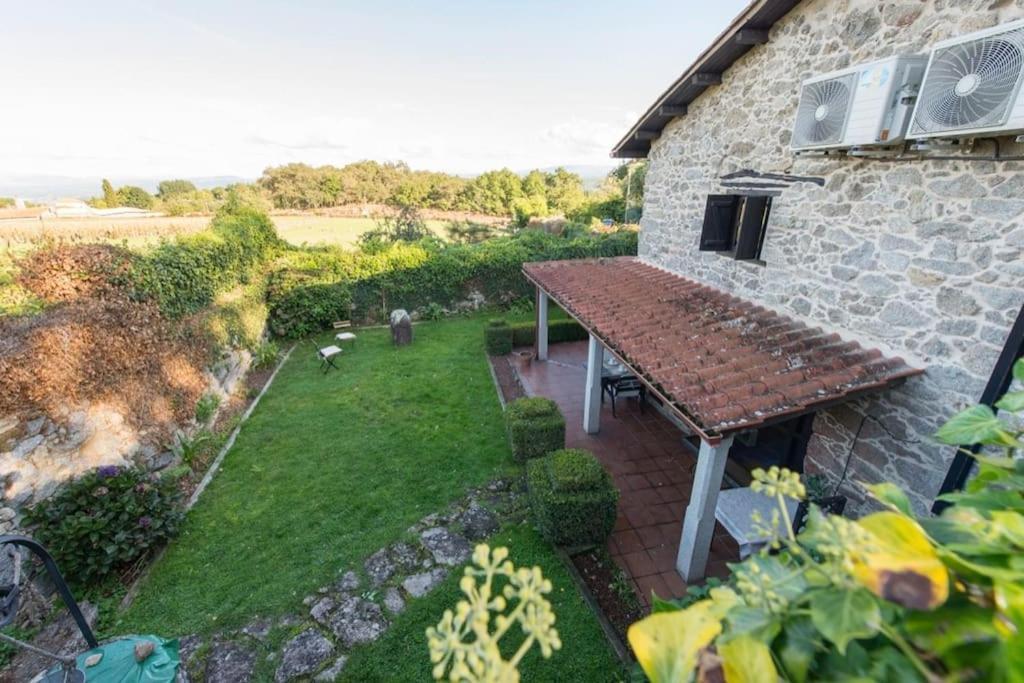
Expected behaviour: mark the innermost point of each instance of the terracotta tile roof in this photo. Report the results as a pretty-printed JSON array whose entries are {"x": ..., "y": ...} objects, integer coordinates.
[{"x": 724, "y": 364}]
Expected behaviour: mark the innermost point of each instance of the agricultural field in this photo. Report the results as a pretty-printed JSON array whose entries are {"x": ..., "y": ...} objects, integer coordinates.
[{"x": 18, "y": 235}]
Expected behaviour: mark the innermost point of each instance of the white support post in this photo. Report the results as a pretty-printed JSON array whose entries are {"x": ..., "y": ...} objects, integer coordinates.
[
  {"x": 699, "y": 522},
  {"x": 592, "y": 399},
  {"x": 542, "y": 324}
]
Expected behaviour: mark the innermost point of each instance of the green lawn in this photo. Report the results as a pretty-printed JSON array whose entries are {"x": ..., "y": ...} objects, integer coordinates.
[
  {"x": 402, "y": 655},
  {"x": 328, "y": 469}
]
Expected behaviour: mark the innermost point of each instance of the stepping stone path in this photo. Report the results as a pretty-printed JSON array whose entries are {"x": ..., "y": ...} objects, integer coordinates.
[{"x": 354, "y": 610}]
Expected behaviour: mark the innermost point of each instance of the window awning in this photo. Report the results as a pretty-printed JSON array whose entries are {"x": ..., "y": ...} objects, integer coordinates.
[{"x": 722, "y": 364}]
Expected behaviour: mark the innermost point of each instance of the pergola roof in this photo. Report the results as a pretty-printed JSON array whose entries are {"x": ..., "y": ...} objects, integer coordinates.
[{"x": 721, "y": 363}]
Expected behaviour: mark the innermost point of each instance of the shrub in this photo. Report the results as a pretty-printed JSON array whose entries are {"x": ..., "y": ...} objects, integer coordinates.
[
  {"x": 888, "y": 597},
  {"x": 206, "y": 406},
  {"x": 412, "y": 276},
  {"x": 185, "y": 275},
  {"x": 105, "y": 520},
  {"x": 536, "y": 427},
  {"x": 572, "y": 497},
  {"x": 525, "y": 334},
  {"x": 265, "y": 355},
  {"x": 238, "y": 317},
  {"x": 498, "y": 338}
]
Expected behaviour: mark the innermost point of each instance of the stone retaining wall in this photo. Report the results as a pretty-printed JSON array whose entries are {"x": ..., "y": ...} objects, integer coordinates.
[
  {"x": 37, "y": 455},
  {"x": 919, "y": 258}
]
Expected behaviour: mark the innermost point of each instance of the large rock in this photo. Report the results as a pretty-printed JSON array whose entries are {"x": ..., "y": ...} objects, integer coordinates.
[
  {"x": 230, "y": 663},
  {"x": 379, "y": 567},
  {"x": 60, "y": 636},
  {"x": 447, "y": 547},
  {"x": 321, "y": 610},
  {"x": 393, "y": 601},
  {"x": 401, "y": 327},
  {"x": 419, "y": 585},
  {"x": 303, "y": 655},
  {"x": 358, "y": 621},
  {"x": 333, "y": 671},
  {"x": 478, "y": 522}
]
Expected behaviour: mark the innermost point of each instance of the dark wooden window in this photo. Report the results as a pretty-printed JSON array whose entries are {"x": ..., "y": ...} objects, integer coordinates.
[
  {"x": 735, "y": 225},
  {"x": 719, "y": 222}
]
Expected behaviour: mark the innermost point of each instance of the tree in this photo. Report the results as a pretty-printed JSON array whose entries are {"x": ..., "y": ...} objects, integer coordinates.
[
  {"x": 169, "y": 188},
  {"x": 109, "y": 194},
  {"x": 495, "y": 191},
  {"x": 136, "y": 197},
  {"x": 564, "y": 191}
]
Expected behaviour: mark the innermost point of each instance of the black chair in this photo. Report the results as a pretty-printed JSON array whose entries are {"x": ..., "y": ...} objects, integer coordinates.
[{"x": 627, "y": 384}]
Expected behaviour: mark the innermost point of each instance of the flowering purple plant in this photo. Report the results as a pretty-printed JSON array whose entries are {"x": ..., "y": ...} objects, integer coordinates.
[
  {"x": 108, "y": 471},
  {"x": 145, "y": 521}
]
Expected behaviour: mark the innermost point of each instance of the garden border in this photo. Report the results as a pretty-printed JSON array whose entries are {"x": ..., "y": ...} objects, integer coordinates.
[{"x": 133, "y": 590}]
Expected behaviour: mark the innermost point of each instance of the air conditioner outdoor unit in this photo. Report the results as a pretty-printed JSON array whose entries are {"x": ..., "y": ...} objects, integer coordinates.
[
  {"x": 863, "y": 106},
  {"x": 973, "y": 85}
]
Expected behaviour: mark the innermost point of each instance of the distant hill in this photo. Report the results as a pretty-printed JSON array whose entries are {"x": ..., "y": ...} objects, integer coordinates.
[{"x": 45, "y": 188}]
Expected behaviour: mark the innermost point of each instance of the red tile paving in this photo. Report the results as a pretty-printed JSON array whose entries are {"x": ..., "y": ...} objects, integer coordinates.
[
  {"x": 649, "y": 464},
  {"x": 724, "y": 363}
]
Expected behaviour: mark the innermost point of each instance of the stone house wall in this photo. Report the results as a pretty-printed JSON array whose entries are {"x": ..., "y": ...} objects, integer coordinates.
[{"x": 919, "y": 258}]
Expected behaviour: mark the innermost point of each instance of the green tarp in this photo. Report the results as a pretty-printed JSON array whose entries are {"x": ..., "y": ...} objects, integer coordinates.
[{"x": 118, "y": 665}]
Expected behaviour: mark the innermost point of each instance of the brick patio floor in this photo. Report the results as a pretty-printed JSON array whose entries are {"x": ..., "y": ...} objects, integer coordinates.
[{"x": 651, "y": 467}]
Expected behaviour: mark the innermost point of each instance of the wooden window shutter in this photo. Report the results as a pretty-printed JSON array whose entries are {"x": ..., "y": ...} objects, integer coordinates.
[
  {"x": 753, "y": 215},
  {"x": 719, "y": 219}
]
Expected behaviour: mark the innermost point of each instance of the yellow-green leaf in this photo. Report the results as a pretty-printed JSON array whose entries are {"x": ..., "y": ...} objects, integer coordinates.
[
  {"x": 667, "y": 643},
  {"x": 891, "y": 495},
  {"x": 977, "y": 424},
  {"x": 747, "y": 660},
  {"x": 899, "y": 563},
  {"x": 1012, "y": 402}
]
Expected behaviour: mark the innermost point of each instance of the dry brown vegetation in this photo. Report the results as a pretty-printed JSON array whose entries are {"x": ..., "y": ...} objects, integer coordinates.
[{"x": 94, "y": 343}]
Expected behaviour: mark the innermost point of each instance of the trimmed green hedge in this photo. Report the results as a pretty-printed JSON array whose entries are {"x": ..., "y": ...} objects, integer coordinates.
[
  {"x": 185, "y": 275},
  {"x": 572, "y": 497},
  {"x": 524, "y": 334},
  {"x": 413, "y": 276},
  {"x": 535, "y": 427},
  {"x": 498, "y": 338}
]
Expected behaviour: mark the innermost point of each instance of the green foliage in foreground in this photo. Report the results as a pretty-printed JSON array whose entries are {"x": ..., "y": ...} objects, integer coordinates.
[
  {"x": 105, "y": 520},
  {"x": 572, "y": 497},
  {"x": 401, "y": 653},
  {"x": 328, "y": 469},
  {"x": 888, "y": 597}
]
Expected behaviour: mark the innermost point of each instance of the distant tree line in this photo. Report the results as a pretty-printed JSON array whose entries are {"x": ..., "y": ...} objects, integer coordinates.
[{"x": 296, "y": 186}]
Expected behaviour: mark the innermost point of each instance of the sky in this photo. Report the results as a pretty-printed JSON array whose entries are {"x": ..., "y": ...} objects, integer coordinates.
[{"x": 191, "y": 89}]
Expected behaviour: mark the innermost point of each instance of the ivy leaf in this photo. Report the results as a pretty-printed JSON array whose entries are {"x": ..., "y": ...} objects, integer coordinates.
[
  {"x": 900, "y": 564},
  {"x": 1012, "y": 402},
  {"x": 891, "y": 495},
  {"x": 845, "y": 615},
  {"x": 747, "y": 660},
  {"x": 753, "y": 621},
  {"x": 977, "y": 424},
  {"x": 667, "y": 643},
  {"x": 1018, "y": 370},
  {"x": 799, "y": 645}
]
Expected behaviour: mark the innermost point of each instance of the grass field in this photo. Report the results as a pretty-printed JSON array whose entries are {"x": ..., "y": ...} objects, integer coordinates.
[
  {"x": 21, "y": 235},
  {"x": 328, "y": 469}
]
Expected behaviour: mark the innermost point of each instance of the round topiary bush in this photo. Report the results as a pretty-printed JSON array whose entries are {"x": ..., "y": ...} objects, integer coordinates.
[
  {"x": 498, "y": 338},
  {"x": 535, "y": 427},
  {"x": 572, "y": 497},
  {"x": 105, "y": 520}
]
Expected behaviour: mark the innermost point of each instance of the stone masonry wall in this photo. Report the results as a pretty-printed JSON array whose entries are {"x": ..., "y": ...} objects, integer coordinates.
[{"x": 922, "y": 259}]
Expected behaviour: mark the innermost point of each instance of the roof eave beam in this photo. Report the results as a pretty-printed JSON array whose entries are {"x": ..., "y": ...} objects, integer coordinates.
[
  {"x": 751, "y": 36},
  {"x": 645, "y": 135},
  {"x": 672, "y": 110},
  {"x": 706, "y": 78}
]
